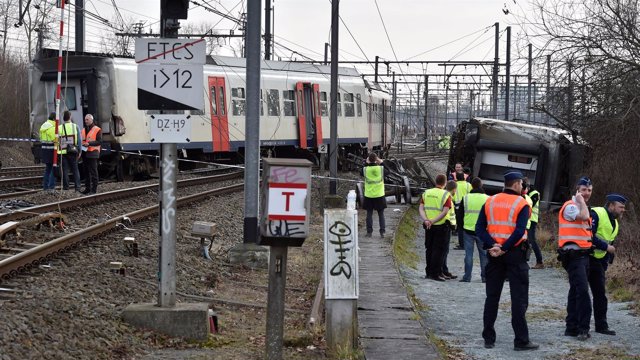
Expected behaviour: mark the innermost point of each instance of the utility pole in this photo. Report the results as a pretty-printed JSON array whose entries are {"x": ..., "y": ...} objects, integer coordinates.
[
  {"x": 535, "y": 95},
  {"x": 515, "y": 97},
  {"x": 569, "y": 92},
  {"x": 446, "y": 107},
  {"x": 548, "y": 92},
  {"x": 507, "y": 75},
  {"x": 418, "y": 104},
  {"x": 333, "y": 143},
  {"x": 529, "y": 75},
  {"x": 375, "y": 79},
  {"x": 394, "y": 101},
  {"x": 426, "y": 110},
  {"x": 326, "y": 53},
  {"x": 79, "y": 25},
  {"x": 496, "y": 64},
  {"x": 457, "y": 103},
  {"x": 267, "y": 30}
]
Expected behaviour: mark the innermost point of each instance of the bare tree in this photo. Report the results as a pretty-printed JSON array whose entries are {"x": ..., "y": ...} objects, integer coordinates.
[
  {"x": 8, "y": 11},
  {"x": 36, "y": 18}
]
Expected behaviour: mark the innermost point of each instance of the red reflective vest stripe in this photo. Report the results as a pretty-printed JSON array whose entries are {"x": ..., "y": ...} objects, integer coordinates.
[
  {"x": 502, "y": 212},
  {"x": 577, "y": 232},
  {"x": 86, "y": 138}
]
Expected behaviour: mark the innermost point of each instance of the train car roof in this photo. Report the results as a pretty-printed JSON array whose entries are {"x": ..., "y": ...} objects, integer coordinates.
[
  {"x": 225, "y": 61},
  {"x": 523, "y": 126}
]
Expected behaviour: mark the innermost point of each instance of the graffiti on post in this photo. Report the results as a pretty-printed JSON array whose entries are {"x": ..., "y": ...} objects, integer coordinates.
[
  {"x": 280, "y": 174},
  {"x": 286, "y": 228},
  {"x": 341, "y": 231}
]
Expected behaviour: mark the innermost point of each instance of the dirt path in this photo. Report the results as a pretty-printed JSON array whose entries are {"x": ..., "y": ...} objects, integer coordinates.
[{"x": 454, "y": 314}]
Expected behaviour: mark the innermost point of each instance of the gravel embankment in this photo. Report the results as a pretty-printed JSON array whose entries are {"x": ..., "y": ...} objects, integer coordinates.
[{"x": 455, "y": 310}]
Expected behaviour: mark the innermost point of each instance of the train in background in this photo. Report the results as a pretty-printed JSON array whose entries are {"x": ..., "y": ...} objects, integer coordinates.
[
  {"x": 550, "y": 157},
  {"x": 294, "y": 109}
]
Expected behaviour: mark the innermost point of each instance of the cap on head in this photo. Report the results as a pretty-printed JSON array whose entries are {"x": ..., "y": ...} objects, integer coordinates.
[
  {"x": 584, "y": 181},
  {"x": 513, "y": 175},
  {"x": 616, "y": 197}
]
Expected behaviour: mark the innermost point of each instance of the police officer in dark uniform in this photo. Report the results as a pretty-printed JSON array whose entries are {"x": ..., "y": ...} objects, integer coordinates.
[
  {"x": 605, "y": 227},
  {"x": 502, "y": 226},
  {"x": 575, "y": 244}
]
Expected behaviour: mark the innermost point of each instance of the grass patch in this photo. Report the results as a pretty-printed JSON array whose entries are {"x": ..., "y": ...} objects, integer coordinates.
[
  {"x": 404, "y": 242},
  {"x": 215, "y": 341},
  {"x": 547, "y": 314},
  {"x": 600, "y": 353},
  {"x": 418, "y": 305},
  {"x": 619, "y": 291},
  {"x": 445, "y": 350},
  {"x": 347, "y": 353}
]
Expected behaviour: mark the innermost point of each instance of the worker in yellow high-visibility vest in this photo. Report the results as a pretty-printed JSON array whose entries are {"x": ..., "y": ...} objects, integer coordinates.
[
  {"x": 374, "y": 192},
  {"x": 47, "y": 145}
]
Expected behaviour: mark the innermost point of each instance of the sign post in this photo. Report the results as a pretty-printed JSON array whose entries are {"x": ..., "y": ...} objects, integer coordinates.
[{"x": 286, "y": 189}]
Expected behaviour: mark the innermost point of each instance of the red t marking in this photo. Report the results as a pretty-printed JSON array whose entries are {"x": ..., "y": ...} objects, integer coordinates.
[{"x": 288, "y": 195}]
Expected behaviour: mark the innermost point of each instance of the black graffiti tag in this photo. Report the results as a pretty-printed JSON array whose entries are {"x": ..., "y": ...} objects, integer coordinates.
[
  {"x": 285, "y": 228},
  {"x": 341, "y": 230}
]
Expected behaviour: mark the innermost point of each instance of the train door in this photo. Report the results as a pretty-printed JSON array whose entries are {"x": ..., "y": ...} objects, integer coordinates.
[
  {"x": 384, "y": 123},
  {"x": 308, "y": 109},
  {"x": 71, "y": 100},
  {"x": 370, "y": 118},
  {"x": 218, "y": 111}
]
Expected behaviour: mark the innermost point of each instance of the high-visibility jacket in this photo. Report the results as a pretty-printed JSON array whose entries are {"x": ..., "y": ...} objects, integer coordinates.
[
  {"x": 605, "y": 230},
  {"x": 452, "y": 214},
  {"x": 48, "y": 134},
  {"x": 502, "y": 212},
  {"x": 433, "y": 200},
  {"x": 91, "y": 136},
  {"x": 535, "y": 210},
  {"x": 462, "y": 189},
  {"x": 69, "y": 131},
  {"x": 577, "y": 232},
  {"x": 373, "y": 181},
  {"x": 472, "y": 204},
  {"x": 530, "y": 203}
]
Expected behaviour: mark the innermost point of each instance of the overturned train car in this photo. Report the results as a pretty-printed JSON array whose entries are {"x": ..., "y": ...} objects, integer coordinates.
[
  {"x": 294, "y": 109},
  {"x": 548, "y": 156}
]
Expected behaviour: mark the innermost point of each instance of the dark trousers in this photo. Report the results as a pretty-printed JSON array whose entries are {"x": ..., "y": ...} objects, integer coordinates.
[
  {"x": 91, "y": 174},
  {"x": 435, "y": 246},
  {"x": 459, "y": 225},
  {"x": 445, "y": 268},
  {"x": 512, "y": 265},
  {"x": 49, "y": 178},
  {"x": 531, "y": 238},
  {"x": 70, "y": 165},
  {"x": 370, "y": 220},
  {"x": 578, "y": 301},
  {"x": 596, "y": 277}
]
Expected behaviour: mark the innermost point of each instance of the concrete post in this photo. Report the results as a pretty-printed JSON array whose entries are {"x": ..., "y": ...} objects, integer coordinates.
[{"x": 275, "y": 305}]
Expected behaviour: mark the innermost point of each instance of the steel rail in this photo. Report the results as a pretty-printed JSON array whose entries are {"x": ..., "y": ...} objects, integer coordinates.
[
  {"x": 20, "y": 181},
  {"x": 100, "y": 197},
  {"x": 32, "y": 257}
]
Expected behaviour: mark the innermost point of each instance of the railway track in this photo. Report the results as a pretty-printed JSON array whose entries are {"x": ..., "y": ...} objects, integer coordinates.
[
  {"x": 21, "y": 171},
  {"x": 31, "y": 256},
  {"x": 20, "y": 181},
  {"x": 107, "y": 196}
]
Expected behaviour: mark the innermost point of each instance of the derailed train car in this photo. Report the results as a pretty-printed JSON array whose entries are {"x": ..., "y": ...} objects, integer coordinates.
[
  {"x": 548, "y": 156},
  {"x": 294, "y": 109}
]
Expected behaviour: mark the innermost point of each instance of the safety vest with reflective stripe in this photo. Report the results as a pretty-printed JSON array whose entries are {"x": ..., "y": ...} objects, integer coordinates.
[
  {"x": 605, "y": 230},
  {"x": 577, "y": 232},
  {"x": 373, "y": 182},
  {"x": 530, "y": 203},
  {"x": 91, "y": 136},
  {"x": 433, "y": 200},
  {"x": 452, "y": 215},
  {"x": 535, "y": 211},
  {"x": 48, "y": 134},
  {"x": 463, "y": 189},
  {"x": 502, "y": 212},
  {"x": 472, "y": 204},
  {"x": 68, "y": 130}
]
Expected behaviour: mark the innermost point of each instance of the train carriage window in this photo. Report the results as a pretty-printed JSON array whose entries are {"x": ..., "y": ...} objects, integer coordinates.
[
  {"x": 68, "y": 94},
  {"x": 289, "y": 97},
  {"x": 273, "y": 102},
  {"x": 520, "y": 159},
  {"x": 214, "y": 106},
  {"x": 349, "y": 110},
  {"x": 221, "y": 105},
  {"x": 324, "y": 106},
  {"x": 238, "y": 101},
  {"x": 359, "y": 105}
]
